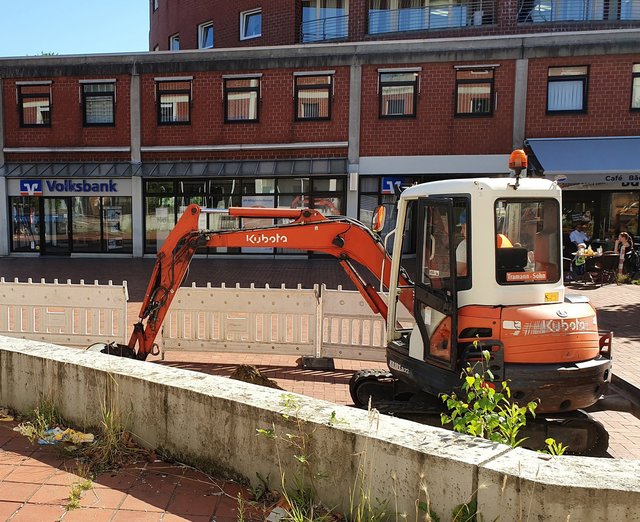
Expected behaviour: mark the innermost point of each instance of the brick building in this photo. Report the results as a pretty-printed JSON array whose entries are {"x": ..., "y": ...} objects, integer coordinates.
[{"x": 100, "y": 154}]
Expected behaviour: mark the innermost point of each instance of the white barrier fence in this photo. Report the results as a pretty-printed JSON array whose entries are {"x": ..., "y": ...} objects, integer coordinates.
[
  {"x": 68, "y": 314},
  {"x": 317, "y": 322}
]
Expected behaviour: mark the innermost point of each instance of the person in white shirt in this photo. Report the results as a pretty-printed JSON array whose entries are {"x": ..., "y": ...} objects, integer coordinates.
[{"x": 578, "y": 235}]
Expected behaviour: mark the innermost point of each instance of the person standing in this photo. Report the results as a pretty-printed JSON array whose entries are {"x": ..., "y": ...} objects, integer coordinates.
[{"x": 624, "y": 248}]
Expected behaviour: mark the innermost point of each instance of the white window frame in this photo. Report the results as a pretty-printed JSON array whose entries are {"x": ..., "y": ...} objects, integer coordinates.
[
  {"x": 173, "y": 39},
  {"x": 202, "y": 33},
  {"x": 244, "y": 17},
  {"x": 155, "y": 4}
]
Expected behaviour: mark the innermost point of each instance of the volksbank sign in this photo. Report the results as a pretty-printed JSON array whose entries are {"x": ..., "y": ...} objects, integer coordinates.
[{"x": 69, "y": 187}]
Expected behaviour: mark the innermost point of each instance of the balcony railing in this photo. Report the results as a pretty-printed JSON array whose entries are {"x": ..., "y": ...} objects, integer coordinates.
[
  {"x": 540, "y": 11},
  {"x": 322, "y": 29},
  {"x": 438, "y": 16}
]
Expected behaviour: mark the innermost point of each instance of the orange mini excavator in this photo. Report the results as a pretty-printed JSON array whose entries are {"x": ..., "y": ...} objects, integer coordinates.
[{"x": 486, "y": 265}]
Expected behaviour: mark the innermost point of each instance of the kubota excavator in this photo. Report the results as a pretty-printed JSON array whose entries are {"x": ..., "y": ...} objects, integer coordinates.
[{"x": 487, "y": 276}]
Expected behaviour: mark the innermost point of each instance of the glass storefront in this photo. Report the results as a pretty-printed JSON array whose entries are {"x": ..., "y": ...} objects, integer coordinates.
[
  {"x": 71, "y": 224},
  {"x": 604, "y": 214},
  {"x": 165, "y": 201}
]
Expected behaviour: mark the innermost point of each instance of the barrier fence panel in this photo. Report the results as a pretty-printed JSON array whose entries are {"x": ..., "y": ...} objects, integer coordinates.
[
  {"x": 262, "y": 320},
  {"x": 350, "y": 329},
  {"x": 67, "y": 314}
]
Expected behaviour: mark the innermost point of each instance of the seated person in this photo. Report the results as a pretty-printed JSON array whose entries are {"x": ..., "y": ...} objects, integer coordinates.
[
  {"x": 503, "y": 241},
  {"x": 578, "y": 234},
  {"x": 579, "y": 259},
  {"x": 461, "y": 249}
]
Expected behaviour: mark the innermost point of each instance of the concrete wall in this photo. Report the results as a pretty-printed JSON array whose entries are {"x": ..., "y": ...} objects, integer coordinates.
[{"x": 211, "y": 422}]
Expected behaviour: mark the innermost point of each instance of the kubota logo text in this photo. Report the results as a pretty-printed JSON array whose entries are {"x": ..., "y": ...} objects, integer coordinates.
[{"x": 264, "y": 239}]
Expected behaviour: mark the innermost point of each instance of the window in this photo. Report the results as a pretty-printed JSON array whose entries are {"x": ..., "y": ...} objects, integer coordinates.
[
  {"x": 205, "y": 36},
  {"x": 474, "y": 92},
  {"x": 98, "y": 100},
  {"x": 313, "y": 97},
  {"x": 527, "y": 241},
  {"x": 34, "y": 102},
  {"x": 387, "y": 16},
  {"x": 174, "y": 42},
  {"x": 155, "y": 4},
  {"x": 398, "y": 94},
  {"x": 567, "y": 89},
  {"x": 251, "y": 24},
  {"x": 241, "y": 97},
  {"x": 324, "y": 20},
  {"x": 635, "y": 88},
  {"x": 174, "y": 101}
]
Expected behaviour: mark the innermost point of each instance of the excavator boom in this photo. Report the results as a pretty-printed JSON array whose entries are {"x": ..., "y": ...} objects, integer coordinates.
[{"x": 344, "y": 238}]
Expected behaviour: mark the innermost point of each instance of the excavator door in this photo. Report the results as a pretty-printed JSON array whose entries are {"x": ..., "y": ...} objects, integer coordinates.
[{"x": 435, "y": 307}]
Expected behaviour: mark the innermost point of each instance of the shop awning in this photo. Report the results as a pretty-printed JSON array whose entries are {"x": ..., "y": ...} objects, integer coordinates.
[
  {"x": 68, "y": 170},
  {"x": 253, "y": 169},
  {"x": 586, "y": 161}
]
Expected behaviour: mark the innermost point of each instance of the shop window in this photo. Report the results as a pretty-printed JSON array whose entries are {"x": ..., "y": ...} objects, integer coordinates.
[
  {"x": 474, "y": 92},
  {"x": 205, "y": 36},
  {"x": 174, "y": 42},
  {"x": 102, "y": 224},
  {"x": 25, "y": 225},
  {"x": 174, "y": 101},
  {"x": 34, "y": 103},
  {"x": 241, "y": 96},
  {"x": 635, "y": 88},
  {"x": 313, "y": 97},
  {"x": 398, "y": 94},
  {"x": 98, "y": 101},
  {"x": 251, "y": 24},
  {"x": 567, "y": 89}
]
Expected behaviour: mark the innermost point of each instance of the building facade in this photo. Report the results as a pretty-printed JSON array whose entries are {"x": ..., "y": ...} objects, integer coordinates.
[
  {"x": 100, "y": 155},
  {"x": 203, "y": 24}
]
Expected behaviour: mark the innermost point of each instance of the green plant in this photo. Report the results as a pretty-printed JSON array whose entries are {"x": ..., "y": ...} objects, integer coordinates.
[
  {"x": 623, "y": 279},
  {"x": 75, "y": 494},
  {"x": 486, "y": 412},
  {"x": 466, "y": 512},
  {"x": 554, "y": 448}
]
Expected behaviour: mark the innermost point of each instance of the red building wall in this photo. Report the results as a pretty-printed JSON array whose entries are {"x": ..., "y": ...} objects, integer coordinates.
[
  {"x": 184, "y": 17},
  {"x": 67, "y": 128},
  {"x": 276, "y": 115},
  {"x": 435, "y": 130},
  {"x": 608, "y": 99}
]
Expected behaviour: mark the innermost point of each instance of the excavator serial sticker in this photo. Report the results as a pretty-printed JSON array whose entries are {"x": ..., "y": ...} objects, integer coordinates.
[
  {"x": 550, "y": 297},
  {"x": 547, "y": 326},
  {"x": 398, "y": 367}
]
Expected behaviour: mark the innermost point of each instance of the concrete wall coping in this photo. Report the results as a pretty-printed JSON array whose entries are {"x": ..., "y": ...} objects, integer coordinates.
[{"x": 203, "y": 417}]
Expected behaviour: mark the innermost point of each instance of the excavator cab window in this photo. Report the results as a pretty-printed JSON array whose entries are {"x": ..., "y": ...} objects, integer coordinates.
[{"x": 527, "y": 247}]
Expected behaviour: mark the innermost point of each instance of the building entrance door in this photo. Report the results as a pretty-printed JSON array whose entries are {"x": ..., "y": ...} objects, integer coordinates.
[{"x": 56, "y": 233}]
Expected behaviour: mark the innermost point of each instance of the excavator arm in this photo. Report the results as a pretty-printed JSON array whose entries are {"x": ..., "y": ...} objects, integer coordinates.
[{"x": 344, "y": 238}]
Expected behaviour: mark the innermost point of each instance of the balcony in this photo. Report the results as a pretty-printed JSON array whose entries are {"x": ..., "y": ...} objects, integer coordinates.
[
  {"x": 542, "y": 11},
  {"x": 436, "y": 16},
  {"x": 323, "y": 29}
]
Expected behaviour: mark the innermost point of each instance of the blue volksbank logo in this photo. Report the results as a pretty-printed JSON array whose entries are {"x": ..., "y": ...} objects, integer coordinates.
[{"x": 33, "y": 187}]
